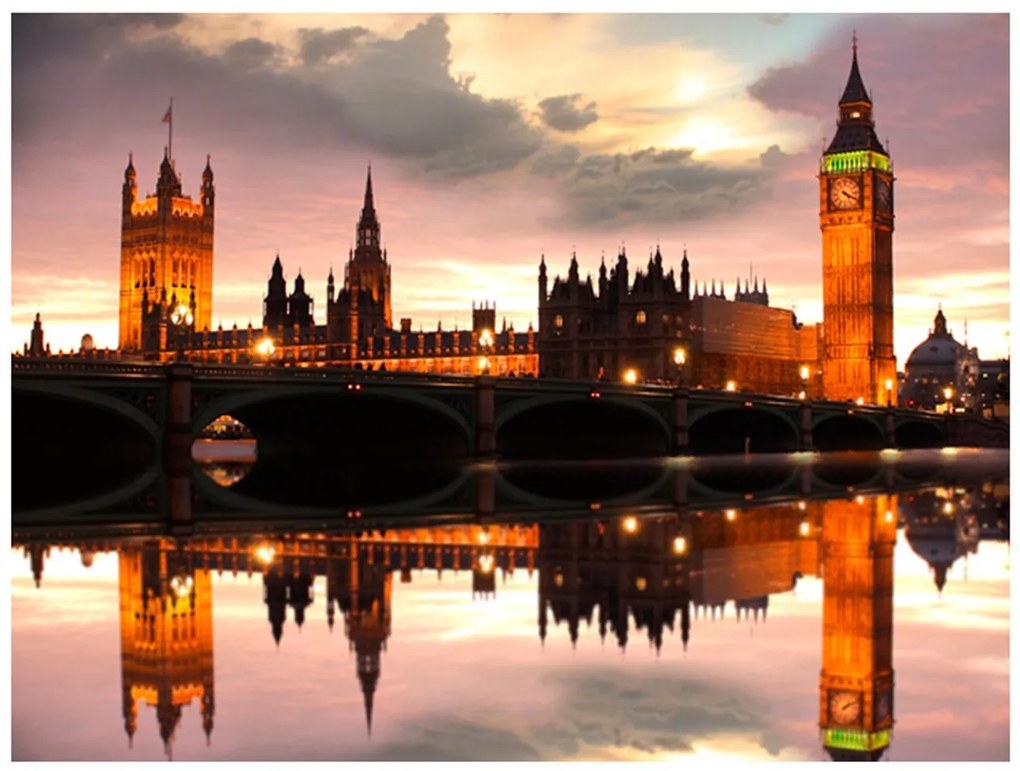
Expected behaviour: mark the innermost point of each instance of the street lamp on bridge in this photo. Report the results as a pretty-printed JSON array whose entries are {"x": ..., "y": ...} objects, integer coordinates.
[{"x": 679, "y": 359}]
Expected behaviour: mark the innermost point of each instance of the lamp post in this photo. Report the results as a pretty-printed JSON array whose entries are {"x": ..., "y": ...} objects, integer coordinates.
[
  {"x": 948, "y": 394},
  {"x": 181, "y": 318},
  {"x": 485, "y": 341},
  {"x": 679, "y": 359},
  {"x": 805, "y": 373},
  {"x": 888, "y": 392},
  {"x": 264, "y": 349}
]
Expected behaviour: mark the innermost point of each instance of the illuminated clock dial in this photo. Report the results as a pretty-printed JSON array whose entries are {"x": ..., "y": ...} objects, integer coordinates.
[
  {"x": 883, "y": 194},
  {"x": 844, "y": 707},
  {"x": 845, "y": 193}
]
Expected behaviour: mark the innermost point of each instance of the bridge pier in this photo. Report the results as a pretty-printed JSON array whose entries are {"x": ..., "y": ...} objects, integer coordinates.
[
  {"x": 890, "y": 428},
  {"x": 177, "y": 441},
  {"x": 485, "y": 494},
  {"x": 681, "y": 435},
  {"x": 681, "y": 477},
  {"x": 805, "y": 440},
  {"x": 485, "y": 417}
]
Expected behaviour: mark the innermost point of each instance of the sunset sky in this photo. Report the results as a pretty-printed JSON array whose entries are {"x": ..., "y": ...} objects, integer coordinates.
[{"x": 496, "y": 138}]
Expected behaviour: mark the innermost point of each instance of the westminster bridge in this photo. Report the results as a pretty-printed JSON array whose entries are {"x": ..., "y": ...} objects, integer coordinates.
[{"x": 132, "y": 425}]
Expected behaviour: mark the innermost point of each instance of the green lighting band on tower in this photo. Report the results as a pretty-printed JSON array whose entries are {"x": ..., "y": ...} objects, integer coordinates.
[
  {"x": 857, "y": 160},
  {"x": 850, "y": 739}
]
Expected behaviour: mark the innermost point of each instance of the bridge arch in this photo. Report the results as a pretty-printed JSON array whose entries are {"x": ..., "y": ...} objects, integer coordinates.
[
  {"x": 723, "y": 428},
  {"x": 848, "y": 431},
  {"x": 911, "y": 434},
  {"x": 93, "y": 443},
  {"x": 585, "y": 427},
  {"x": 288, "y": 419}
]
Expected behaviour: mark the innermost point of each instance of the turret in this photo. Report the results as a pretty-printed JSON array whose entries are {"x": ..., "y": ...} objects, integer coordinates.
[
  {"x": 685, "y": 277},
  {"x": 208, "y": 191},
  {"x": 130, "y": 189},
  {"x": 543, "y": 282}
]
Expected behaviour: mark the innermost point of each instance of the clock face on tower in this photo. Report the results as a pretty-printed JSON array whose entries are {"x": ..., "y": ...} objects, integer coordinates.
[
  {"x": 883, "y": 194},
  {"x": 844, "y": 193},
  {"x": 883, "y": 706},
  {"x": 844, "y": 707}
]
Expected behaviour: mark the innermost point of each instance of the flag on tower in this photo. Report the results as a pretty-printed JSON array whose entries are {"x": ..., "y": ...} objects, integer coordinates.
[{"x": 169, "y": 117}]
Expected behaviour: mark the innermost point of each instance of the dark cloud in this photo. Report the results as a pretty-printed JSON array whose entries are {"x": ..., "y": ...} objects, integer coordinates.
[
  {"x": 564, "y": 113},
  {"x": 322, "y": 45},
  {"x": 940, "y": 85},
  {"x": 393, "y": 96},
  {"x": 648, "y": 185},
  {"x": 250, "y": 53},
  {"x": 597, "y": 712}
]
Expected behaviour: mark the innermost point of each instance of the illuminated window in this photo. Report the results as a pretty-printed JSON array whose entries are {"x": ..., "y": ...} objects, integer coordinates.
[
  {"x": 640, "y": 318},
  {"x": 558, "y": 322}
]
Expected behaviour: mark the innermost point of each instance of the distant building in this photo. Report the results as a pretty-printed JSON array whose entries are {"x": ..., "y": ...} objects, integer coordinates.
[
  {"x": 941, "y": 371},
  {"x": 592, "y": 331},
  {"x": 358, "y": 332}
]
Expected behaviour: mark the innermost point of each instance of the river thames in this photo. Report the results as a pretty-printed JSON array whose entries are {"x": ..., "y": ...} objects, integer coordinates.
[{"x": 637, "y": 630}]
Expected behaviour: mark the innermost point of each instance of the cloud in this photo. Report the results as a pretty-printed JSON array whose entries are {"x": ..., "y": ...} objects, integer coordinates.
[
  {"x": 395, "y": 96},
  {"x": 250, "y": 53},
  {"x": 934, "y": 81},
  {"x": 563, "y": 113},
  {"x": 648, "y": 185},
  {"x": 598, "y": 716},
  {"x": 320, "y": 46}
]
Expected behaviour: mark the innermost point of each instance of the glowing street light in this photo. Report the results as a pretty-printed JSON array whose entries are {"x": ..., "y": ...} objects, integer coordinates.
[
  {"x": 805, "y": 529},
  {"x": 265, "y": 347},
  {"x": 485, "y": 338},
  {"x": 805, "y": 371},
  {"x": 486, "y": 563},
  {"x": 731, "y": 514},
  {"x": 679, "y": 359},
  {"x": 630, "y": 376},
  {"x": 630, "y": 524},
  {"x": 679, "y": 544},
  {"x": 265, "y": 553},
  {"x": 731, "y": 385},
  {"x": 888, "y": 392}
]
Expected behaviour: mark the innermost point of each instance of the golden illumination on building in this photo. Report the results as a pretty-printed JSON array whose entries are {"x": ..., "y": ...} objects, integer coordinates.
[
  {"x": 166, "y": 252},
  {"x": 855, "y": 183},
  {"x": 166, "y": 637},
  {"x": 856, "y": 681}
]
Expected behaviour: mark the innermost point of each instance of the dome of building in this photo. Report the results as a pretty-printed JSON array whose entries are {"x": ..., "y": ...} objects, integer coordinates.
[{"x": 938, "y": 348}]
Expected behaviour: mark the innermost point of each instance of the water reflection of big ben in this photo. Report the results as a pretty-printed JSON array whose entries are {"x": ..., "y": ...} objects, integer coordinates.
[
  {"x": 856, "y": 684},
  {"x": 166, "y": 636}
]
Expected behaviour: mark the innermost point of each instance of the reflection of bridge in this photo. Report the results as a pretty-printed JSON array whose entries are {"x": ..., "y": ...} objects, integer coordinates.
[
  {"x": 354, "y": 413},
  {"x": 190, "y": 501}
]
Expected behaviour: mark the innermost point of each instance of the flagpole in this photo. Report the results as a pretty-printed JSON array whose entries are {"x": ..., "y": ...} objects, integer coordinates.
[{"x": 170, "y": 148}]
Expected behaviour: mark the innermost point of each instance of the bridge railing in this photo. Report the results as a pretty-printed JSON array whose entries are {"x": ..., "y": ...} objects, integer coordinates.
[
  {"x": 57, "y": 365},
  {"x": 248, "y": 372}
]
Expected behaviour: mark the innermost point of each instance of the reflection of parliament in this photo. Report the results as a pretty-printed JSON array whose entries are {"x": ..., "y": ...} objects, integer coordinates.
[
  {"x": 659, "y": 575},
  {"x": 631, "y": 318}
]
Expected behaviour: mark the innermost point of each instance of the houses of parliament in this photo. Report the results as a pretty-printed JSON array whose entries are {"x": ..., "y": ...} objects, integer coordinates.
[{"x": 647, "y": 323}]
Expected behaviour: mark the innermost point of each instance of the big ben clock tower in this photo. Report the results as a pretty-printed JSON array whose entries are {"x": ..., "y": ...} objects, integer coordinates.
[{"x": 856, "y": 217}]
